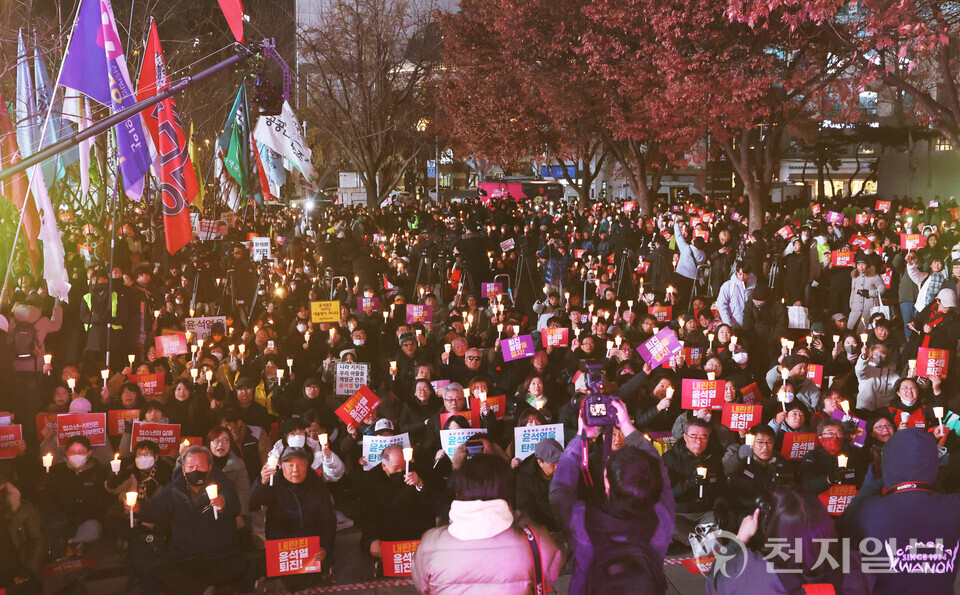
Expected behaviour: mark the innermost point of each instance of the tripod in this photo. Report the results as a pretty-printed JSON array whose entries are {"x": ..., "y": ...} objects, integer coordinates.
[
  {"x": 523, "y": 266},
  {"x": 623, "y": 275}
]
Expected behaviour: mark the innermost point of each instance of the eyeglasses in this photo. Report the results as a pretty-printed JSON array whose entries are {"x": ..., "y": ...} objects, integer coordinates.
[
  {"x": 763, "y": 442},
  {"x": 698, "y": 437},
  {"x": 473, "y": 358},
  {"x": 223, "y": 440}
]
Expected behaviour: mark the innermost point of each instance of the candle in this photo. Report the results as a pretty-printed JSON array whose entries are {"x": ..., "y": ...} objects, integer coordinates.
[
  {"x": 749, "y": 439},
  {"x": 131, "y": 358},
  {"x": 446, "y": 347},
  {"x": 332, "y": 332},
  {"x": 322, "y": 439},
  {"x": 290, "y": 363},
  {"x": 72, "y": 383},
  {"x": 845, "y": 406},
  {"x": 842, "y": 461},
  {"x": 131, "y": 502},
  {"x": 782, "y": 397},
  {"x": 47, "y": 359},
  {"x": 407, "y": 457},
  {"x": 618, "y": 340},
  {"x": 669, "y": 392},
  {"x": 783, "y": 341},
  {"x": 863, "y": 338},
  {"x": 194, "y": 373},
  {"x": 189, "y": 335},
  {"x": 702, "y": 472},
  {"x": 241, "y": 348},
  {"x": 790, "y": 345},
  {"x": 516, "y": 330},
  {"x": 279, "y": 374},
  {"x": 47, "y": 461},
  {"x": 393, "y": 368},
  {"x": 499, "y": 330},
  {"x": 711, "y": 375},
  {"x": 306, "y": 337},
  {"x": 105, "y": 373},
  {"x": 938, "y": 412},
  {"x": 115, "y": 464},
  {"x": 904, "y": 416},
  {"x": 272, "y": 462},
  {"x": 733, "y": 340},
  {"x": 630, "y": 304},
  {"x": 212, "y": 494}
]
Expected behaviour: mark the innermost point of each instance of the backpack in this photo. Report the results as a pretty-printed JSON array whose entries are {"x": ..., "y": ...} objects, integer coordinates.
[
  {"x": 622, "y": 565},
  {"x": 24, "y": 340}
]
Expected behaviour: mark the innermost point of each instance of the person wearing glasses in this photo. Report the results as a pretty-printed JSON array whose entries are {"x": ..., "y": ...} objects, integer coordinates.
[{"x": 697, "y": 479}]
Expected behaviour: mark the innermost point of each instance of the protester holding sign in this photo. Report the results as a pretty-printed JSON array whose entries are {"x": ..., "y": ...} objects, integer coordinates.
[
  {"x": 298, "y": 505},
  {"x": 696, "y": 478}
]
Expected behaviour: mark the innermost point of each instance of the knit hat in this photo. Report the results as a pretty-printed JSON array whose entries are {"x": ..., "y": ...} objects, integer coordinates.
[
  {"x": 548, "y": 450},
  {"x": 792, "y": 361}
]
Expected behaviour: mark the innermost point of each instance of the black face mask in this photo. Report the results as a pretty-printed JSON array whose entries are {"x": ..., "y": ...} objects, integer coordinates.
[{"x": 195, "y": 479}]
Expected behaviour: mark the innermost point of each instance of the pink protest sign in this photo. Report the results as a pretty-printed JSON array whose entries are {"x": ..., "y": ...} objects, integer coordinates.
[
  {"x": 659, "y": 348},
  {"x": 419, "y": 313},
  {"x": 518, "y": 348}
]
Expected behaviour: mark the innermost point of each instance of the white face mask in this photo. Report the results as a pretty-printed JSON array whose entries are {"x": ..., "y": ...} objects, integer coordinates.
[
  {"x": 145, "y": 462},
  {"x": 302, "y": 328},
  {"x": 77, "y": 461},
  {"x": 368, "y": 294},
  {"x": 358, "y": 342},
  {"x": 296, "y": 441},
  {"x": 740, "y": 357}
]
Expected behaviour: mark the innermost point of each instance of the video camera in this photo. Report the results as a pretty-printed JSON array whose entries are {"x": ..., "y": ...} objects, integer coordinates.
[{"x": 598, "y": 409}]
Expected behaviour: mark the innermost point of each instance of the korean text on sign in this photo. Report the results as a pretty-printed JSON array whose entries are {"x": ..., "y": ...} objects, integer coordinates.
[
  {"x": 362, "y": 403},
  {"x": 324, "y": 312},
  {"x": 292, "y": 556},
  {"x": 797, "y": 444},
  {"x": 702, "y": 394},
  {"x": 398, "y": 557}
]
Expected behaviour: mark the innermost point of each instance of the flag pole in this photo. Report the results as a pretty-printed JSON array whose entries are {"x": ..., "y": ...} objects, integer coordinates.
[{"x": 30, "y": 177}]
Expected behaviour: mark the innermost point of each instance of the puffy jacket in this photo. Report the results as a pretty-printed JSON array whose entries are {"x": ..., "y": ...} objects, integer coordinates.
[
  {"x": 24, "y": 529},
  {"x": 690, "y": 255},
  {"x": 732, "y": 299},
  {"x": 482, "y": 551},
  {"x": 876, "y": 385},
  {"x": 682, "y": 467},
  {"x": 297, "y": 510}
]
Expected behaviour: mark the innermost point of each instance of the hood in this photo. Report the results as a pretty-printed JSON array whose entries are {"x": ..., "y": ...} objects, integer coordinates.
[
  {"x": 479, "y": 519},
  {"x": 26, "y": 313},
  {"x": 909, "y": 455}
]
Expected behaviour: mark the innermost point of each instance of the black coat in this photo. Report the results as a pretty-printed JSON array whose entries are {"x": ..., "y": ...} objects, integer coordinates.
[
  {"x": 533, "y": 494},
  {"x": 682, "y": 467},
  {"x": 297, "y": 510}
]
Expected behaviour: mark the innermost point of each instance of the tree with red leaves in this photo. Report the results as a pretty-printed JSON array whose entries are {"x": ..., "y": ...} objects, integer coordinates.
[{"x": 909, "y": 46}]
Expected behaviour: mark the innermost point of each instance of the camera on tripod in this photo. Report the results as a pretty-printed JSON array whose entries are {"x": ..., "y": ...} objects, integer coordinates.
[{"x": 598, "y": 409}]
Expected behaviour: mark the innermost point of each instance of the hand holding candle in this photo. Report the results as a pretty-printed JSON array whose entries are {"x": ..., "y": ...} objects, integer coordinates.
[
  {"x": 115, "y": 464},
  {"x": 407, "y": 457},
  {"x": 131, "y": 502},
  {"x": 212, "y": 494},
  {"x": 702, "y": 474},
  {"x": 938, "y": 412},
  {"x": 272, "y": 461}
]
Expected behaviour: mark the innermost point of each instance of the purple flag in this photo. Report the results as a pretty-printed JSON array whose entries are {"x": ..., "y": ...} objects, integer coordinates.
[
  {"x": 518, "y": 348},
  {"x": 860, "y": 437},
  {"x": 659, "y": 348},
  {"x": 95, "y": 66}
]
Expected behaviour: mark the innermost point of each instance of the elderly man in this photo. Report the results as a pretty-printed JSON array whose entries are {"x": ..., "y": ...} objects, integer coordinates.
[
  {"x": 696, "y": 492},
  {"x": 393, "y": 504},
  {"x": 204, "y": 547}
]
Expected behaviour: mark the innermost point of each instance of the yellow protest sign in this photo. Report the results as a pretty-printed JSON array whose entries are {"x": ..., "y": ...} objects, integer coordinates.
[{"x": 325, "y": 311}]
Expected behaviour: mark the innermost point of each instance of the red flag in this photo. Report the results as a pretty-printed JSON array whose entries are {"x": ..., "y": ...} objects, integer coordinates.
[
  {"x": 178, "y": 182},
  {"x": 15, "y": 188},
  {"x": 233, "y": 10}
]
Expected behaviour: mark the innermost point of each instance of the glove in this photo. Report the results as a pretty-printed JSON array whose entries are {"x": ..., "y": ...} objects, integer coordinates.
[
  {"x": 836, "y": 475},
  {"x": 863, "y": 293},
  {"x": 690, "y": 483}
]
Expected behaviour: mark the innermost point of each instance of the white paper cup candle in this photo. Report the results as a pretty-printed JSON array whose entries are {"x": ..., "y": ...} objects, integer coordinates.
[
  {"x": 711, "y": 375},
  {"x": 104, "y": 374},
  {"x": 131, "y": 358},
  {"x": 115, "y": 464},
  {"x": 842, "y": 461},
  {"x": 322, "y": 439},
  {"x": 407, "y": 457},
  {"x": 131, "y": 498},
  {"x": 212, "y": 494},
  {"x": 47, "y": 461},
  {"x": 702, "y": 472},
  {"x": 938, "y": 413},
  {"x": 748, "y": 440},
  {"x": 272, "y": 462},
  {"x": 72, "y": 383}
]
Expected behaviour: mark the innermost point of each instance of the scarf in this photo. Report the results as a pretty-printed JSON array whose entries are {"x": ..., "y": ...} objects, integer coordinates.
[{"x": 935, "y": 319}]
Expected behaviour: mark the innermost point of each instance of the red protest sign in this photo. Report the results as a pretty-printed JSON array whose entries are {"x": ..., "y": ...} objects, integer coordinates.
[
  {"x": 167, "y": 436},
  {"x": 698, "y": 566},
  {"x": 116, "y": 417},
  {"x": 837, "y": 498},
  {"x": 797, "y": 444},
  {"x": 467, "y": 415},
  {"x": 555, "y": 337},
  {"x": 293, "y": 556},
  {"x": 883, "y": 206},
  {"x": 861, "y": 219},
  {"x": 843, "y": 258},
  {"x": 643, "y": 266},
  {"x": 151, "y": 385},
  {"x": 912, "y": 241},
  {"x": 932, "y": 362},
  {"x": 171, "y": 344},
  {"x": 887, "y": 278},
  {"x": 398, "y": 557},
  {"x": 692, "y": 356},
  {"x": 357, "y": 407},
  {"x": 10, "y": 437},
  {"x": 860, "y": 242},
  {"x": 738, "y": 416},
  {"x": 815, "y": 373},
  {"x": 46, "y": 420},
  {"x": 751, "y": 394},
  {"x": 702, "y": 394},
  {"x": 91, "y": 425},
  {"x": 497, "y": 404},
  {"x": 661, "y": 313},
  {"x": 785, "y": 232}
]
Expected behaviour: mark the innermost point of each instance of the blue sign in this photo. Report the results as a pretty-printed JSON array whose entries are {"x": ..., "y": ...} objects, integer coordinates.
[
  {"x": 431, "y": 168},
  {"x": 556, "y": 171}
]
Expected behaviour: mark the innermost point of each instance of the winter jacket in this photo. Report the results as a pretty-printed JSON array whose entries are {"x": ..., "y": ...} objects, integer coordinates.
[
  {"x": 690, "y": 255},
  {"x": 876, "y": 385},
  {"x": 194, "y": 532},
  {"x": 807, "y": 390},
  {"x": 572, "y": 512},
  {"x": 820, "y": 469},
  {"x": 874, "y": 287},
  {"x": 32, "y": 315},
  {"x": 910, "y": 456},
  {"x": 533, "y": 494},
  {"x": 732, "y": 299},
  {"x": 500, "y": 558},
  {"x": 928, "y": 284},
  {"x": 556, "y": 266},
  {"x": 297, "y": 510},
  {"x": 24, "y": 530},
  {"x": 682, "y": 466}
]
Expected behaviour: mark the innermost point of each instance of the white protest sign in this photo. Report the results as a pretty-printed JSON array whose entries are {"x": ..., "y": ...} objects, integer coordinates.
[
  {"x": 373, "y": 446},
  {"x": 451, "y": 439},
  {"x": 507, "y": 245},
  {"x": 350, "y": 377},
  {"x": 261, "y": 248},
  {"x": 200, "y": 326},
  {"x": 525, "y": 438}
]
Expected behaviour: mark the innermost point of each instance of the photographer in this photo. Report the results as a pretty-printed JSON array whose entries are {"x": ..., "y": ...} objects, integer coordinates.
[{"x": 634, "y": 518}]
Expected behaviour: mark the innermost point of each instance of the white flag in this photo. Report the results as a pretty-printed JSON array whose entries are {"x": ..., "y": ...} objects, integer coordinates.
[
  {"x": 54, "y": 271},
  {"x": 77, "y": 110},
  {"x": 282, "y": 134}
]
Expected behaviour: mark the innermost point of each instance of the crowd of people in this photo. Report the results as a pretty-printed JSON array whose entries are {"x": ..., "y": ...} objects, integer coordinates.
[{"x": 839, "y": 328}]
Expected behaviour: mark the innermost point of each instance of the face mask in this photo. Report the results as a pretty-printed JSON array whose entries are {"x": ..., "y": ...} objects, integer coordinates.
[
  {"x": 740, "y": 357},
  {"x": 368, "y": 294},
  {"x": 790, "y": 397},
  {"x": 296, "y": 441},
  {"x": 358, "y": 342},
  {"x": 850, "y": 349},
  {"x": 831, "y": 444},
  {"x": 78, "y": 461},
  {"x": 804, "y": 237},
  {"x": 302, "y": 328},
  {"x": 195, "y": 478},
  {"x": 145, "y": 462},
  {"x": 879, "y": 360},
  {"x": 758, "y": 304}
]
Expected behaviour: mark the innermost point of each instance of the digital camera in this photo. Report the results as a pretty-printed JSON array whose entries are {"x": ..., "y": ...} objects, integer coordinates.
[
  {"x": 473, "y": 448},
  {"x": 598, "y": 411}
]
